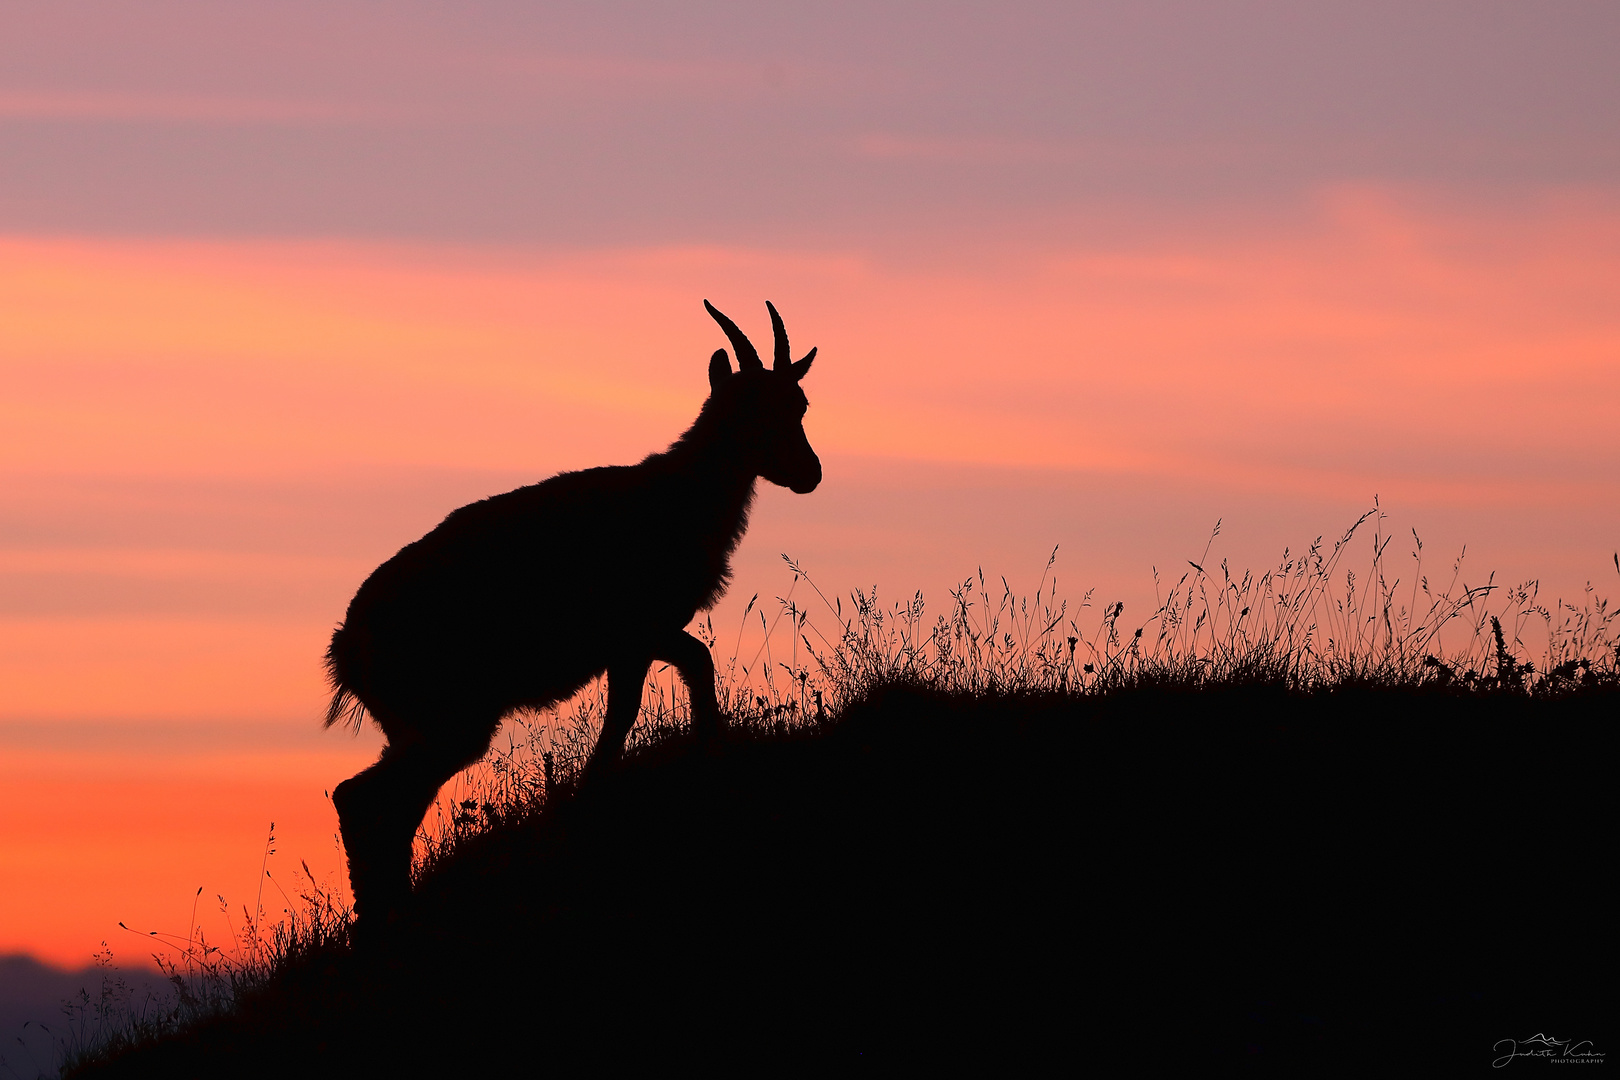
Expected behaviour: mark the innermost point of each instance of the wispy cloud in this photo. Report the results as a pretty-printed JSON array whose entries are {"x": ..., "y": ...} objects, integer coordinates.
[
  {"x": 885, "y": 146},
  {"x": 618, "y": 75},
  {"x": 175, "y": 108},
  {"x": 1150, "y": 153}
]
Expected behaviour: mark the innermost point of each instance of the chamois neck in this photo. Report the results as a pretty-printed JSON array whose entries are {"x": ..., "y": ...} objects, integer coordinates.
[
  {"x": 710, "y": 468},
  {"x": 706, "y": 451}
]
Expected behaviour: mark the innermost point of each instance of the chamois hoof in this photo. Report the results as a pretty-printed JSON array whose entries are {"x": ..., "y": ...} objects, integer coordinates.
[
  {"x": 378, "y": 933},
  {"x": 708, "y": 732}
]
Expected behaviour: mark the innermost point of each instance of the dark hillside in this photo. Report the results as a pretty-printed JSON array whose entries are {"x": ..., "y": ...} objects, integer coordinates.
[{"x": 1226, "y": 876}]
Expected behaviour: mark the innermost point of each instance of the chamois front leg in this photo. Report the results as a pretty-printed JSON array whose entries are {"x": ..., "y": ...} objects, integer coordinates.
[
  {"x": 691, "y": 658},
  {"x": 625, "y": 680}
]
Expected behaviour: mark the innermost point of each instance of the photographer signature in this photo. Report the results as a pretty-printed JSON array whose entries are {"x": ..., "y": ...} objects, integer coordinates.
[{"x": 1542, "y": 1046}]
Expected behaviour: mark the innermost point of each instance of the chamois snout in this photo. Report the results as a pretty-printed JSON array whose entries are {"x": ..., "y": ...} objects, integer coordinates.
[
  {"x": 803, "y": 472},
  {"x": 811, "y": 481}
]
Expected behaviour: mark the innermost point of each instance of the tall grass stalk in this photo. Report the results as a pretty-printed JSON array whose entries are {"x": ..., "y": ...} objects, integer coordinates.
[{"x": 204, "y": 979}]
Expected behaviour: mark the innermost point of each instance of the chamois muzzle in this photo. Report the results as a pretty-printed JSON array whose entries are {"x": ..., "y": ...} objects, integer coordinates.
[{"x": 808, "y": 479}]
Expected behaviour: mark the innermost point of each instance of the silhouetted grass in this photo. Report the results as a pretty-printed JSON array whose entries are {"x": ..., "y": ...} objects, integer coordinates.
[
  {"x": 1014, "y": 794},
  {"x": 205, "y": 979},
  {"x": 1311, "y": 623}
]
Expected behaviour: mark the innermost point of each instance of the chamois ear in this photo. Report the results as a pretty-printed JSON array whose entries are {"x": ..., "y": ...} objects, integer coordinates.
[
  {"x": 719, "y": 368},
  {"x": 801, "y": 367}
]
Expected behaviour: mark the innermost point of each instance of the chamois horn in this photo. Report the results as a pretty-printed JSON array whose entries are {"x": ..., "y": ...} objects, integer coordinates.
[
  {"x": 747, "y": 357},
  {"x": 784, "y": 359}
]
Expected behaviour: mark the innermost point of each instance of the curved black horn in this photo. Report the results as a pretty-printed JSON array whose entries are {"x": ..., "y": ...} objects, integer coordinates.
[
  {"x": 783, "y": 358},
  {"x": 747, "y": 357}
]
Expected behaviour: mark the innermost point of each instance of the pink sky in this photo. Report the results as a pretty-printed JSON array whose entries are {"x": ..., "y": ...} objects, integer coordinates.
[{"x": 271, "y": 304}]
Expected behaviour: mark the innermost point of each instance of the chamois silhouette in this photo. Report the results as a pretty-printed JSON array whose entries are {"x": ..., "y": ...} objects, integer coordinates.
[{"x": 523, "y": 598}]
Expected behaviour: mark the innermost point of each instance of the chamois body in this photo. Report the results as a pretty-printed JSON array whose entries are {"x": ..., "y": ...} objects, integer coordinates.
[{"x": 523, "y": 598}]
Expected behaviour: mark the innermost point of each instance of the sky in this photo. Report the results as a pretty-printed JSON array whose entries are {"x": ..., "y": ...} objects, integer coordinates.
[{"x": 281, "y": 285}]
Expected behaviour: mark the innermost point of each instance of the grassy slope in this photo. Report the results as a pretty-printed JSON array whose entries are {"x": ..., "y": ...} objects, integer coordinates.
[{"x": 1232, "y": 875}]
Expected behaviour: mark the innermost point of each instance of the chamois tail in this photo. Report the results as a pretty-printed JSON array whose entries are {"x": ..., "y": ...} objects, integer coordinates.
[{"x": 346, "y": 708}]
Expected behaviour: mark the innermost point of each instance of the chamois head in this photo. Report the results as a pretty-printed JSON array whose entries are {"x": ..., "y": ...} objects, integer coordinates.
[{"x": 763, "y": 411}]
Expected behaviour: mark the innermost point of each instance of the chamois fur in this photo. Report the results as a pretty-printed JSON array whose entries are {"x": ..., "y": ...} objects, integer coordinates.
[{"x": 522, "y": 598}]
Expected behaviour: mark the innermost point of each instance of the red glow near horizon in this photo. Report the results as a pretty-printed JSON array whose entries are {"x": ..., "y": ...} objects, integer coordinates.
[{"x": 207, "y": 446}]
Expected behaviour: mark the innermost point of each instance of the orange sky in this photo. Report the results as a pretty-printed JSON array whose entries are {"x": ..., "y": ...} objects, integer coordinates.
[{"x": 205, "y": 446}]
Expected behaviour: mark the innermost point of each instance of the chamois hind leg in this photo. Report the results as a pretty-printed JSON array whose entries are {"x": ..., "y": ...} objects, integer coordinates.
[
  {"x": 691, "y": 658},
  {"x": 625, "y": 680},
  {"x": 380, "y": 809}
]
